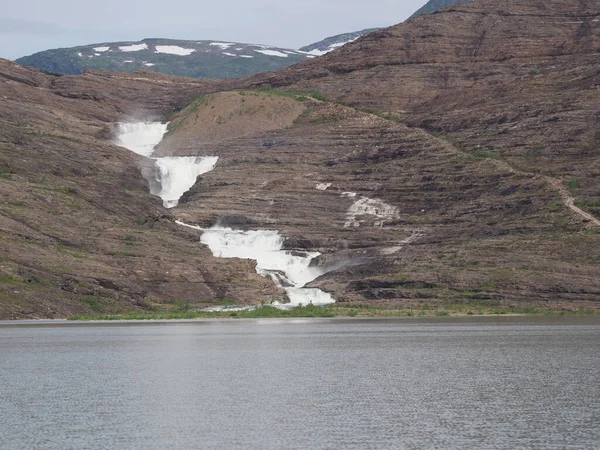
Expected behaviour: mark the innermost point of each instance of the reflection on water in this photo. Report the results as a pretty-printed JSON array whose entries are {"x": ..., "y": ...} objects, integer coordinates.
[{"x": 510, "y": 383}]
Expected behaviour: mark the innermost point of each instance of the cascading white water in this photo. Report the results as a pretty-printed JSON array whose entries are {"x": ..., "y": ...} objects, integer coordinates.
[
  {"x": 141, "y": 137},
  {"x": 178, "y": 174},
  {"x": 291, "y": 271},
  {"x": 174, "y": 174}
]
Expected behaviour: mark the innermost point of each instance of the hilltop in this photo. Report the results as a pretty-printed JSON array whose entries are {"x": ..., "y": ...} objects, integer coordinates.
[
  {"x": 196, "y": 59},
  {"x": 435, "y": 5},
  {"x": 334, "y": 42}
]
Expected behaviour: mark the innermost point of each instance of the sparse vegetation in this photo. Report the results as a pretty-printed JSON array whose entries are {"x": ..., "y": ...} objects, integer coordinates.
[
  {"x": 296, "y": 95},
  {"x": 468, "y": 308},
  {"x": 486, "y": 154}
]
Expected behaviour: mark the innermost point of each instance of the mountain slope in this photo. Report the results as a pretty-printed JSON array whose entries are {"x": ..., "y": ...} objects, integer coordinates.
[
  {"x": 79, "y": 231},
  {"x": 429, "y": 163},
  {"x": 514, "y": 84},
  {"x": 331, "y": 43},
  {"x": 515, "y": 79},
  {"x": 197, "y": 59},
  {"x": 435, "y": 5}
]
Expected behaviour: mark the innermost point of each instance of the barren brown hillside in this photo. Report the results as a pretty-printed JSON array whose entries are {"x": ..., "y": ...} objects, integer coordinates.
[{"x": 453, "y": 158}]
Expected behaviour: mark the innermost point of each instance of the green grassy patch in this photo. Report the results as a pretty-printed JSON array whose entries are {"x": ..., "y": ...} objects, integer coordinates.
[
  {"x": 485, "y": 154},
  {"x": 588, "y": 203},
  {"x": 466, "y": 308},
  {"x": 8, "y": 279},
  {"x": 181, "y": 313},
  {"x": 296, "y": 95},
  {"x": 93, "y": 303}
]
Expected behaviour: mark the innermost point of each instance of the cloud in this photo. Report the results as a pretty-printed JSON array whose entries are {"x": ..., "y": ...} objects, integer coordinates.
[{"x": 23, "y": 26}]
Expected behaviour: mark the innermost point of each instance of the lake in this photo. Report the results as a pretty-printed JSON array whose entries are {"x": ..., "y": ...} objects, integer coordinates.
[{"x": 443, "y": 383}]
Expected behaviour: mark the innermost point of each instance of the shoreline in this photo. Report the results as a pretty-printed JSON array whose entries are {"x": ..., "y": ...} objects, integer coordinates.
[{"x": 592, "y": 317}]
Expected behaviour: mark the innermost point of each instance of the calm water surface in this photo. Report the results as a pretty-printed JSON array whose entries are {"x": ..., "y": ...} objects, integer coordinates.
[{"x": 304, "y": 384}]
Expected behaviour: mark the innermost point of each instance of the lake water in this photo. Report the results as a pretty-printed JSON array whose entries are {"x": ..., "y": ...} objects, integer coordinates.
[{"x": 503, "y": 383}]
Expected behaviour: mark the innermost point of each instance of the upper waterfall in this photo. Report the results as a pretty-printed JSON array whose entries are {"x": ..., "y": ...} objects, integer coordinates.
[{"x": 174, "y": 174}]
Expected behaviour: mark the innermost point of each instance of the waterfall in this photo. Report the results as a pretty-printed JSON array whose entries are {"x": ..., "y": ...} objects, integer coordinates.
[
  {"x": 291, "y": 271},
  {"x": 175, "y": 175}
]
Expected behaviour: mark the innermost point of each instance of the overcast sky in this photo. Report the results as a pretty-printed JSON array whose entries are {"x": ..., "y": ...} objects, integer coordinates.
[{"x": 29, "y": 26}]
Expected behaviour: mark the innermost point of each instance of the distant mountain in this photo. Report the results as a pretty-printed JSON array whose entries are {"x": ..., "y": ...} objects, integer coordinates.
[
  {"x": 333, "y": 42},
  {"x": 197, "y": 59},
  {"x": 435, "y": 5}
]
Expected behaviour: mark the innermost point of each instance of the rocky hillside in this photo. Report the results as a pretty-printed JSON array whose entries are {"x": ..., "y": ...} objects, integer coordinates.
[
  {"x": 197, "y": 59},
  {"x": 79, "y": 231},
  {"x": 495, "y": 79},
  {"x": 435, "y": 5},
  {"x": 331, "y": 43},
  {"x": 510, "y": 87},
  {"x": 450, "y": 159}
]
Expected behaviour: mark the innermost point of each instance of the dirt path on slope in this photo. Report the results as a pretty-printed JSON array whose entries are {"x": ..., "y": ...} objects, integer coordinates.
[{"x": 569, "y": 201}]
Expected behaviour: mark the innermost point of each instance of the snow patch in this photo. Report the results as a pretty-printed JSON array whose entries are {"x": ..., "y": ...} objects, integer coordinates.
[
  {"x": 149, "y": 64},
  {"x": 246, "y": 56},
  {"x": 323, "y": 186},
  {"x": 332, "y": 47},
  {"x": 101, "y": 49},
  {"x": 229, "y": 54},
  {"x": 80, "y": 54},
  {"x": 173, "y": 50},
  {"x": 272, "y": 53},
  {"x": 133, "y": 47},
  {"x": 128, "y": 61},
  {"x": 221, "y": 45}
]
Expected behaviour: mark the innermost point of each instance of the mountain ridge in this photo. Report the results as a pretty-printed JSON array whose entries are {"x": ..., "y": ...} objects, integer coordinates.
[
  {"x": 435, "y": 5},
  {"x": 333, "y": 42},
  {"x": 191, "y": 58}
]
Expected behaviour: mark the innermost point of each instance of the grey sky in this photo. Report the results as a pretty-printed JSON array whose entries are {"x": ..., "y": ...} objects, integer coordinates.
[{"x": 28, "y": 26}]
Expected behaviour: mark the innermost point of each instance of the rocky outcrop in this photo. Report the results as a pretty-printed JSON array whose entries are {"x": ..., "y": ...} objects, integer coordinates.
[{"x": 512, "y": 80}]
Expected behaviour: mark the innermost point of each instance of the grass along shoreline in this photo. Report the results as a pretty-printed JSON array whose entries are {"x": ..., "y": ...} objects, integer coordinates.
[{"x": 342, "y": 311}]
